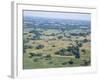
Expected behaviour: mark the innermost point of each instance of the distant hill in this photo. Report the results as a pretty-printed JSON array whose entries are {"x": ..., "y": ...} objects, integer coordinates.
[{"x": 40, "y": 22}]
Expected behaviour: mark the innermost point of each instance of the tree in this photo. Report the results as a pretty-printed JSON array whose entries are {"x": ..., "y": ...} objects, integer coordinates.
[
  {"x": 78, "y": 43},
  {"x": 34, "y": 54},
  {"x": 85, "y": 40},
  {"x": 31, "y": 55},
  {"x": 62, "y": 51},
  {"x": 64, "y": 63},
  {"x": 27, "y": 46},
  {"x": 53, "y": 46},
  {"x": 48, "y": 56},
  {"x": 69, "y": 48},
  {"x": 39, "y": 54},
  {"x": 71, "y": 61},
  {"x": 86, "y": 63},
  {"x": 39, "y": 46},
  {"x": 75, "y": 50},
  {"x": 57, "y": 53},
  {"x": 83, "y": 50},
  {"x": 60, "y": 37}
]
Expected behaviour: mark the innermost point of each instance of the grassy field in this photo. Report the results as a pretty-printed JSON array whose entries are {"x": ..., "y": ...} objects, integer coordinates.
[{"x": 45, "y": 56}]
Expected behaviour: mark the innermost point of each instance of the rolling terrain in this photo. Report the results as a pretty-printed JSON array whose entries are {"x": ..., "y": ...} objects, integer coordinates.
[{"x": 52, "y": 43}]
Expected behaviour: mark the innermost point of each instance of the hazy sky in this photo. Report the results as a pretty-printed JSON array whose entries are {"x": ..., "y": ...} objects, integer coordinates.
[{"x": 75, "y": 16}]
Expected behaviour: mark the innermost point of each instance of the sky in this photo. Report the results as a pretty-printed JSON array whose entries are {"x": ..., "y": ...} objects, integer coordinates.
[{"x": 58, "y": 15}]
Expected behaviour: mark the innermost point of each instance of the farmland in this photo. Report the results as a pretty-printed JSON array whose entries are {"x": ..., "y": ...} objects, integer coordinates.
[{"x": 54, "y": 43}]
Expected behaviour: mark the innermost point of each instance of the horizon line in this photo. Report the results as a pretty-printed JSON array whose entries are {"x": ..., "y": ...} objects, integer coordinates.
[{"x": 59, "y": 18}]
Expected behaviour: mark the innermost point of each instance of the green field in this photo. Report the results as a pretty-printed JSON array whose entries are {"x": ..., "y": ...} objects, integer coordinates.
[{"x": 51, "y": 49}]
